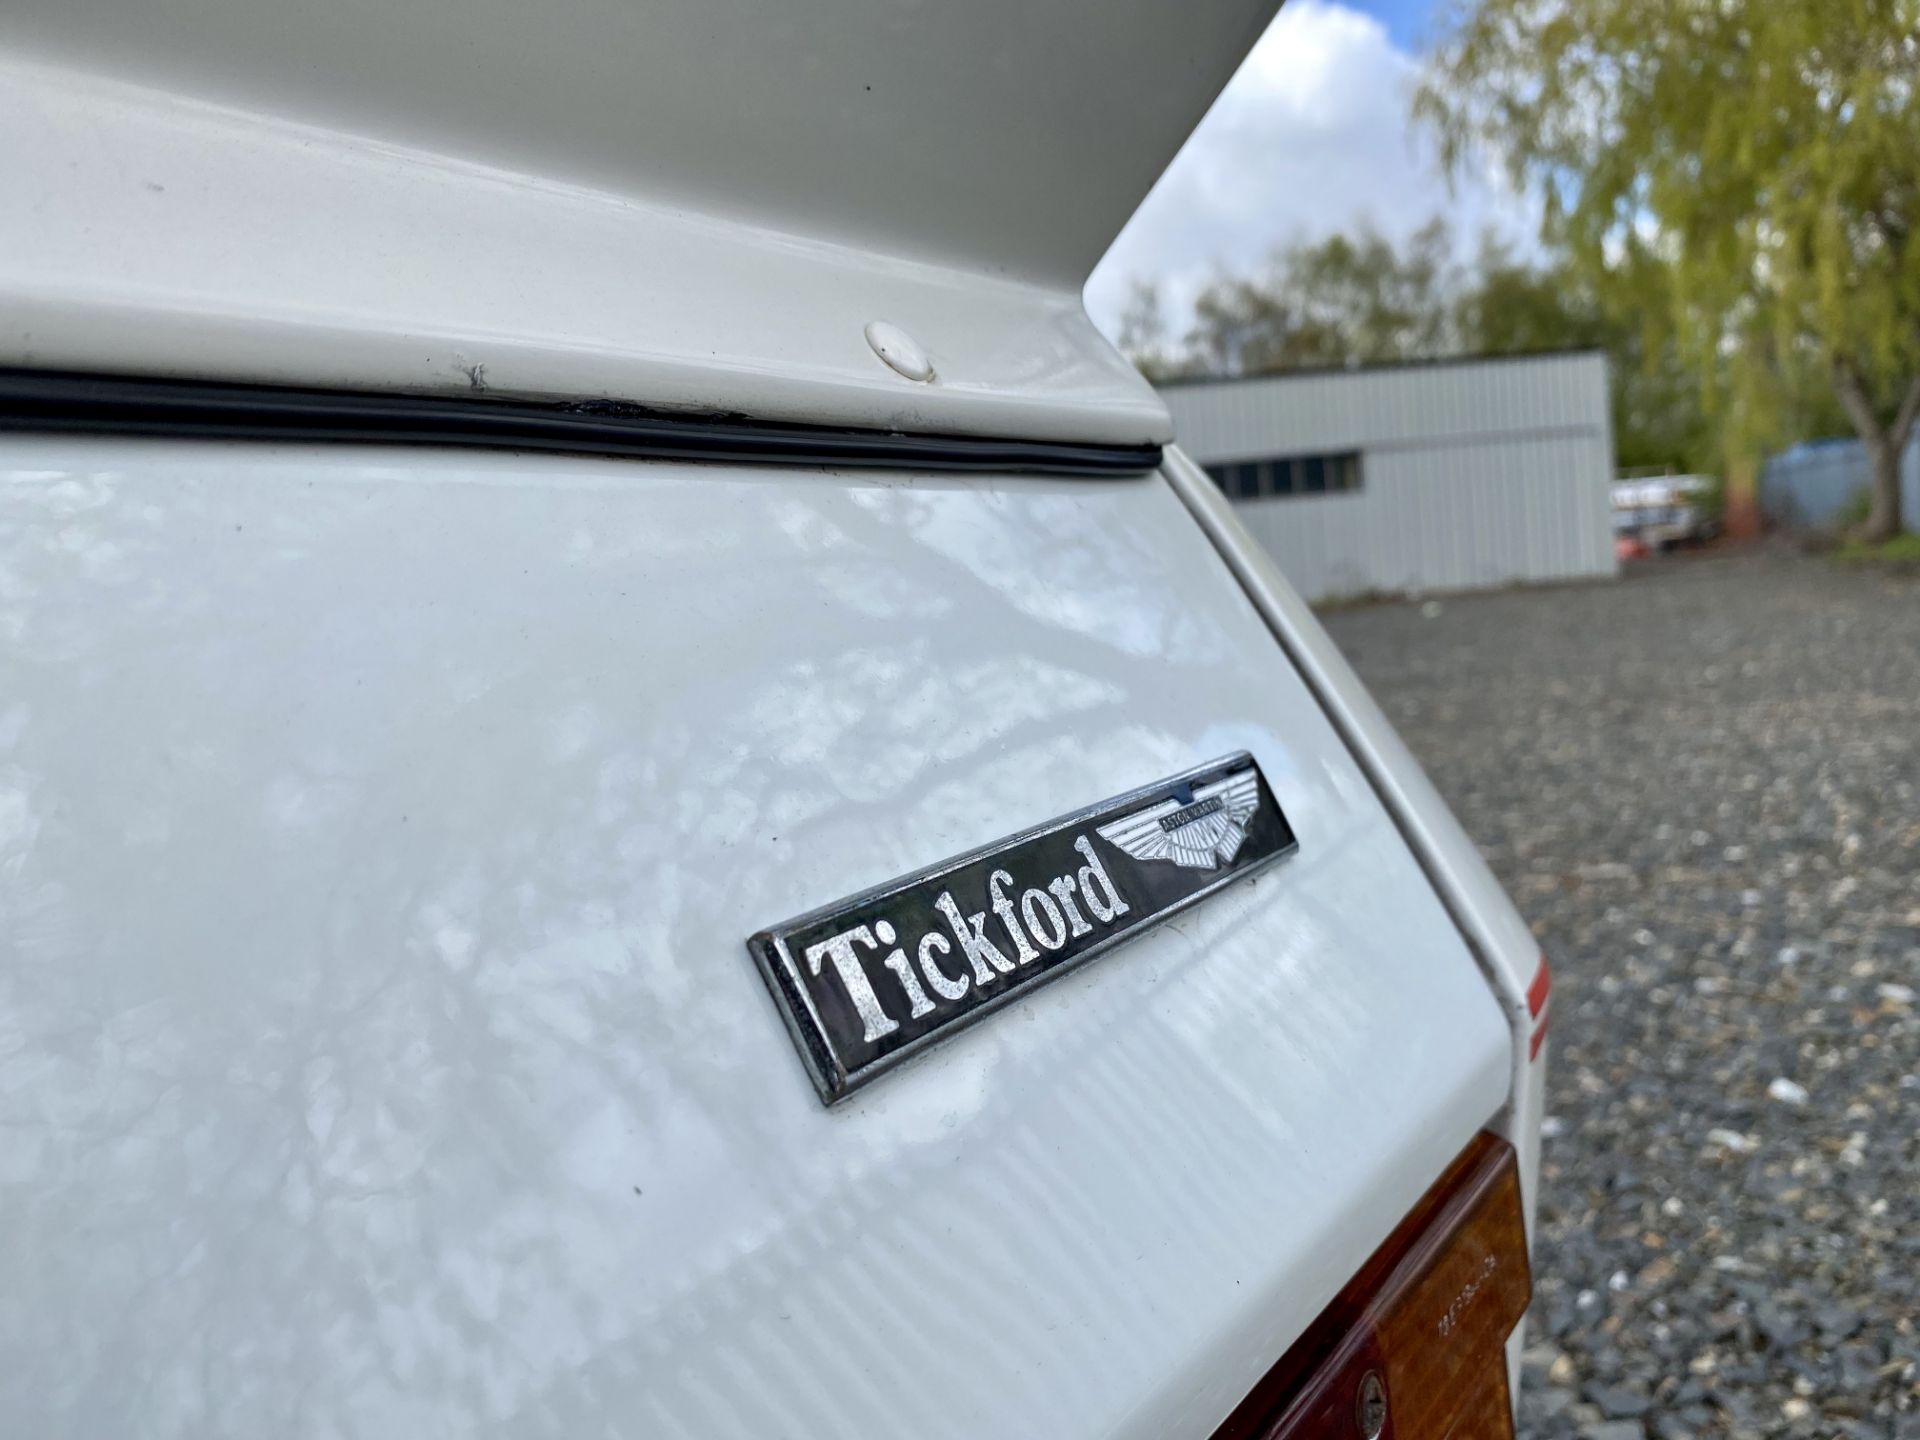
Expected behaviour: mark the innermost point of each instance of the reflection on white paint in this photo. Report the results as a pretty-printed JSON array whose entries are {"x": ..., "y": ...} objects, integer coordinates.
[{"x": 374, "y": 1001}]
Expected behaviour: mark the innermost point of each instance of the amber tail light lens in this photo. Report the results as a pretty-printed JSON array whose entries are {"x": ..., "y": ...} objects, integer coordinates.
[{"x": 1414, "y": 1347}]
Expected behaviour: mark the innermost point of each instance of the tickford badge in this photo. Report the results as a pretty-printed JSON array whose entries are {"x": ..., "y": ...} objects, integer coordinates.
[{"x": 866, "y": 982}]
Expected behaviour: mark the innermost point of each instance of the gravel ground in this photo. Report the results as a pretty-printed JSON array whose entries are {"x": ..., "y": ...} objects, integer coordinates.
[{"x": 1702, "y": 786}]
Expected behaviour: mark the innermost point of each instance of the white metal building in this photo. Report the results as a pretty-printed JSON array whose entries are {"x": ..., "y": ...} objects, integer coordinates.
[{"x": 1444, "y": 476}]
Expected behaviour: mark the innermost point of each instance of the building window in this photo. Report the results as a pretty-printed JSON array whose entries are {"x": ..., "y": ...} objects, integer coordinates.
[{"x": 1288, "y": 475}]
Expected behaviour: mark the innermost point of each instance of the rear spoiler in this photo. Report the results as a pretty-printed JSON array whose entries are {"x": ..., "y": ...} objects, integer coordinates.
[{"x": 696, "y": 207}]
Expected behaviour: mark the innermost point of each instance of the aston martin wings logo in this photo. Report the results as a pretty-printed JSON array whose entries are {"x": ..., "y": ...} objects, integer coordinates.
[{"x": 1201, "y": 829}]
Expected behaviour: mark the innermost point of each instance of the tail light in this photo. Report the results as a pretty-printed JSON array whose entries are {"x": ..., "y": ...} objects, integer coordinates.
[{"x": 1414, "y": 1347}]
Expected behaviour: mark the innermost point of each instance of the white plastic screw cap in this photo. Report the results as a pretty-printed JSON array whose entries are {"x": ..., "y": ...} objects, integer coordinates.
[{"x": 900, "y": 350}]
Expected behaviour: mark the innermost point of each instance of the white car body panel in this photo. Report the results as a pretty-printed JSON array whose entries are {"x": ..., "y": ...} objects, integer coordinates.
[
  {"x": 379, "y": 831},
  {"x": 1495, "y": 930}
]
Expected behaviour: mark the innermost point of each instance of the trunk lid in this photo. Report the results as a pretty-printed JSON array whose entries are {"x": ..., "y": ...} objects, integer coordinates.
[{"x": 382, "y": 833}]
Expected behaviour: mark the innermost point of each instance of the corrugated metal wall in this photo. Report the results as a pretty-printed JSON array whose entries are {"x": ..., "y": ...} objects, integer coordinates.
[
  {"x": 1473, "y": 474},
  {"x": 1813, "y": 484}
]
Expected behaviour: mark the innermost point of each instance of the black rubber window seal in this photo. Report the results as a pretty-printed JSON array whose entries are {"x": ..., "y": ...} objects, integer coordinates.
[{"x": 67, "y": 402}]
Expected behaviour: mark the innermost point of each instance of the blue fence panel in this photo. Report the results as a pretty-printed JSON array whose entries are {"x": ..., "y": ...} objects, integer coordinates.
[{"x": 1813, "y": 484}]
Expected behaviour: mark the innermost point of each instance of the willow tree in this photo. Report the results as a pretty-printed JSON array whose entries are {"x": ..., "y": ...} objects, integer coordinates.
[{"x": 1745, "y": 175}]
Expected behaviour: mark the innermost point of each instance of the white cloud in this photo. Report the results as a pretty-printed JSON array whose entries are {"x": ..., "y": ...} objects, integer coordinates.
[{"x": 1311, "y": 136}]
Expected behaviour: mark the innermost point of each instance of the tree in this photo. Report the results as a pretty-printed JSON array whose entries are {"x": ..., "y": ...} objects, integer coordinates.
[
  {"x": 1356, "y": 300},
  {"x": 1376, "y": 304},
  {"x": 1511, "y": 306},
  {"x": 1517, "y": 307},
  {"x": 1743, "y": 176},
  {"x": 1143, "y": 334}
]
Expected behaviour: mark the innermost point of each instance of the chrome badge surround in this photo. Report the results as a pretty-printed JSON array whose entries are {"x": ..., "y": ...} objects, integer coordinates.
[{"x": 867, "y": 982}]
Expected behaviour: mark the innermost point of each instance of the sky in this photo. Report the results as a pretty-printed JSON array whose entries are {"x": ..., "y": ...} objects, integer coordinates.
[
  {"x": 1310, "y": 137},
  {"x": 1407, "y": 21}
]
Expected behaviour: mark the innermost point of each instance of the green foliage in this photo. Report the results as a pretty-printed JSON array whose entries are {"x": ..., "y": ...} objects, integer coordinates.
[
  {"x": 1143, "y": 335},
  {"x": 1511, "y": 307},
  {"x": 1659, "y": 412},
  {"x": 1744, "y": 177},
  {"x": 1345, "y": 301},
  {"x": 1902, "y": 552}
]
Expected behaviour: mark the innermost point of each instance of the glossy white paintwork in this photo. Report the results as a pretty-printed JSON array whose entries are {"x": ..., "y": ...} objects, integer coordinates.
[
  {"x": 1500, "y": 938},
  {"x": 379, "y": 1054},
  {"x": 695, "y": 204}
]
